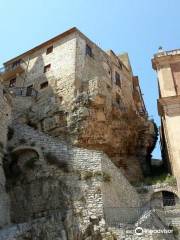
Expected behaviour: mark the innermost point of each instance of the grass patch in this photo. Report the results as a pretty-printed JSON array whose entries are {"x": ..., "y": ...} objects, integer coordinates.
[
  {"x": 85, "y": 175},
  {"x": 163, "y": 178},
  {"x": 106, "y": 177}
]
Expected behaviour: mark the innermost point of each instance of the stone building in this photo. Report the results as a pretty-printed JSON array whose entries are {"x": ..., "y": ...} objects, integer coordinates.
[
  {"x": 5, "y": 111},
  {"x": 167, "y": 66},
  {"x": 86, "y": 95},
  {"x": 78, "y": 133}
]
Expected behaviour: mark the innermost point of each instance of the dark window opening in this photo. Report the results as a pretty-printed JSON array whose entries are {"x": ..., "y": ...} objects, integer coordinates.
[
  {"x": 49, "y": 50},
  {"x": 47, "y": 68},
  {"x": 16, "y": 63},
  {"x": 118, "y": 80},
  {"x": 168, "y": 198},
  {"x": 12, "y": 82},
  {"x": 29, "y": 90},
  {"x": 118, "y": 99},
  {"x": 44, "y": 85},
  {"x": 89, "y": 50},
  {"x": 60, "y": 99}
]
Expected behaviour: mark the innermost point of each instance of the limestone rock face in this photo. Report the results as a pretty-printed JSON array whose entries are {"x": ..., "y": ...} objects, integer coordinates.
[
  {"x": 125, "y": 136},
  {"x": 61, "y": 192},
  {"x": 77, "y": 143}
]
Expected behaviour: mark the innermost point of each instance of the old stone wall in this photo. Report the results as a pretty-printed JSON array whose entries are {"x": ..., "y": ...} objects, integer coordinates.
[
  {"x": 4, "y": 120},
  {"x": 88, "y": 99},
  {"x": 79, "y": 194}
]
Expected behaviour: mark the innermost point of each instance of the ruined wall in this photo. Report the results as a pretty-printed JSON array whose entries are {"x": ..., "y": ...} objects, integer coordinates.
[
  {"x": 72, "y": 197},
  {"x": 4, "y": 119}
]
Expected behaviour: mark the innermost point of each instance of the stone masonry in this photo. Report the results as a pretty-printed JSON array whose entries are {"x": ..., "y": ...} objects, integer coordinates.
[
  {"x": 88, "y": 96},
  {"x": 4, "y": 119},
  {"x": 74, "y": 134}
]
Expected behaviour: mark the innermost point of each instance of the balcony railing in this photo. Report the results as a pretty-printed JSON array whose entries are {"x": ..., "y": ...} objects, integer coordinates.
[
  {"x": 23, "y": 91},
  {"x": 12, "y": 69}
]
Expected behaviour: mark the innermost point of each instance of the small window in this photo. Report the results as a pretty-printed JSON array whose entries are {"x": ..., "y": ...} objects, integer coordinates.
[
  {"x": 49, "y": 50},
  {"x": 16, "y": 63},
  {"x": 117, "y": 78},
  {"x": 89, "y": 50},
  {"x": 12, "y": 82},
  {"x": 44, "y": 85},
  {"x": 29, "y": 90},
  {"x": 118, "y": 99},
  {"x": 47, "y": 68}
]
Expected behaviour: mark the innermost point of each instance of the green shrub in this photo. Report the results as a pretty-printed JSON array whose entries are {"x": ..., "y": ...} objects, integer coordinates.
[
  {"x": 52, "y": 159},
  {"x": 85, "y": 175},
  {"x": 106, "y": 177},
  {"x": 142, "y": 190},
  {"x": 163, "y": 178}
]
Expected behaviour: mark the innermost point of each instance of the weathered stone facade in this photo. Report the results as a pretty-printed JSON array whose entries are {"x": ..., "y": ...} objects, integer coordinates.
[
  {"x": 167, "y": 65},
  {"x": 4, "y": 120},
  {"x": 79, "y": 133},
  {"x": 90, "y": 97}
]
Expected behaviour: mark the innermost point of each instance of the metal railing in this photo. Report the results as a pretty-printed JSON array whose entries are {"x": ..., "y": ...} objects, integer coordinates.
[
  {"x": 115, "y": 216},
  {"x": 23, "y": 91}
]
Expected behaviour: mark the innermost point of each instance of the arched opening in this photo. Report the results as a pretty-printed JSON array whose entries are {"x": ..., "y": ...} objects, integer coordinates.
[
  {"x": 169, "y": 198},
  {"x": 164, "y": 198}
]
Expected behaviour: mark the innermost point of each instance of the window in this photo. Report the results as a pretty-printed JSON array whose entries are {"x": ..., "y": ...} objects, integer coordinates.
[
  {"x": 168, "y": 198},
  {"x": 12, "y": 82},
  {"x": 47, "y": 68},
  {"x": 44, "y": 85},
  {"x": 89, "y": 50},
  {"x": 29, "y": 90},
  {"x": 16, "y": 63},
  {"x": 49, "y": 50},
  {"x": 117, "y": 78},
  {"x": 118, "y": 99}
]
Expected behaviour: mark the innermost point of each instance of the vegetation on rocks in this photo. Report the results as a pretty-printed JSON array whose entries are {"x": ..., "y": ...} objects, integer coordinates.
[
  {"x": 163, "y": 178},
  {"x": 54, "y": 160}
]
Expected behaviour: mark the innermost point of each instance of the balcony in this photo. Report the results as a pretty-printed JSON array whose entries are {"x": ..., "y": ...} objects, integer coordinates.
[
  {"x": 23, "y": 91},
  {"x": 12, "y": 70}
]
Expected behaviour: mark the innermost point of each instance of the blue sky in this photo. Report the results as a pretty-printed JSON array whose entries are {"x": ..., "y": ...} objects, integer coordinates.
[{"x": 138, "y": 27}]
